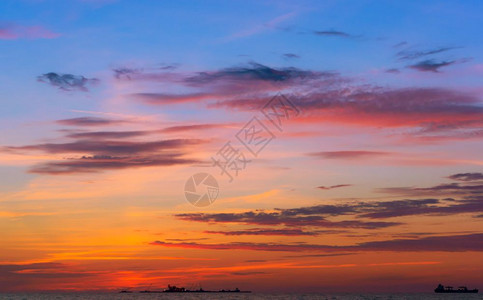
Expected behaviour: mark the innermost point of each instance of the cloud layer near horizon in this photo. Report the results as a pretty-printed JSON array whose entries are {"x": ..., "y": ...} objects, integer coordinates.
[{"x": 455, "y": 243}]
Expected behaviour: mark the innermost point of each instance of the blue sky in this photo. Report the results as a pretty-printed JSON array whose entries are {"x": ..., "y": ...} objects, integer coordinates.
[{"x": 95, "y": 36}]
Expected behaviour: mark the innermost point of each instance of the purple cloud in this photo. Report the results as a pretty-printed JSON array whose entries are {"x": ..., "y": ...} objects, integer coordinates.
[
  {"x": 261, "y": 231},
  {"x": 89, "y": 121},
  {"x": 467, "y": 176},
  {"x": 431, "y": 65},
  {"x": 68, "y": 82},
  {"x": 454, "y": 243},
  {"x": 333, "y": 186}
]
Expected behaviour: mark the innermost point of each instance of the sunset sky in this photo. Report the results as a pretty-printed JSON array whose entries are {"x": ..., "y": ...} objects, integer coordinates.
[{"x": 372, "y": 181}]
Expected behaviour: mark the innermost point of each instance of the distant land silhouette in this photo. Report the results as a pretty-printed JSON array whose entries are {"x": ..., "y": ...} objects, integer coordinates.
[
  {"x": 175, "y": 289},
  {"x": 449, "y": 289}
]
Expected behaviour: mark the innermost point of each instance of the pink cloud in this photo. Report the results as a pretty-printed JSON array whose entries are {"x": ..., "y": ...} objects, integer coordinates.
[
  {"x": 13, "y": 32},
  {"x": 6, "y": 34}
]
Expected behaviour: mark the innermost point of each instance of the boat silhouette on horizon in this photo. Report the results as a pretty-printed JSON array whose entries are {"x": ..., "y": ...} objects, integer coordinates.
[{"x": 449, "y": 289}]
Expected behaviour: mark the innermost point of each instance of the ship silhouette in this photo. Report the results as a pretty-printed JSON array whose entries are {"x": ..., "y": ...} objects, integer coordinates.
[{"x": 449, "y": 289}]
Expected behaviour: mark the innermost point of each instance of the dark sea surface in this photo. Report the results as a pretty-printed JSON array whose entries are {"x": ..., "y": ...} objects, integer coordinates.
[{"x": 251, "y": 296}]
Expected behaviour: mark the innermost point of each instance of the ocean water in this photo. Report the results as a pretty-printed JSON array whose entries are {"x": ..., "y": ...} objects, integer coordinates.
[{"x": 251, "y": 296}]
